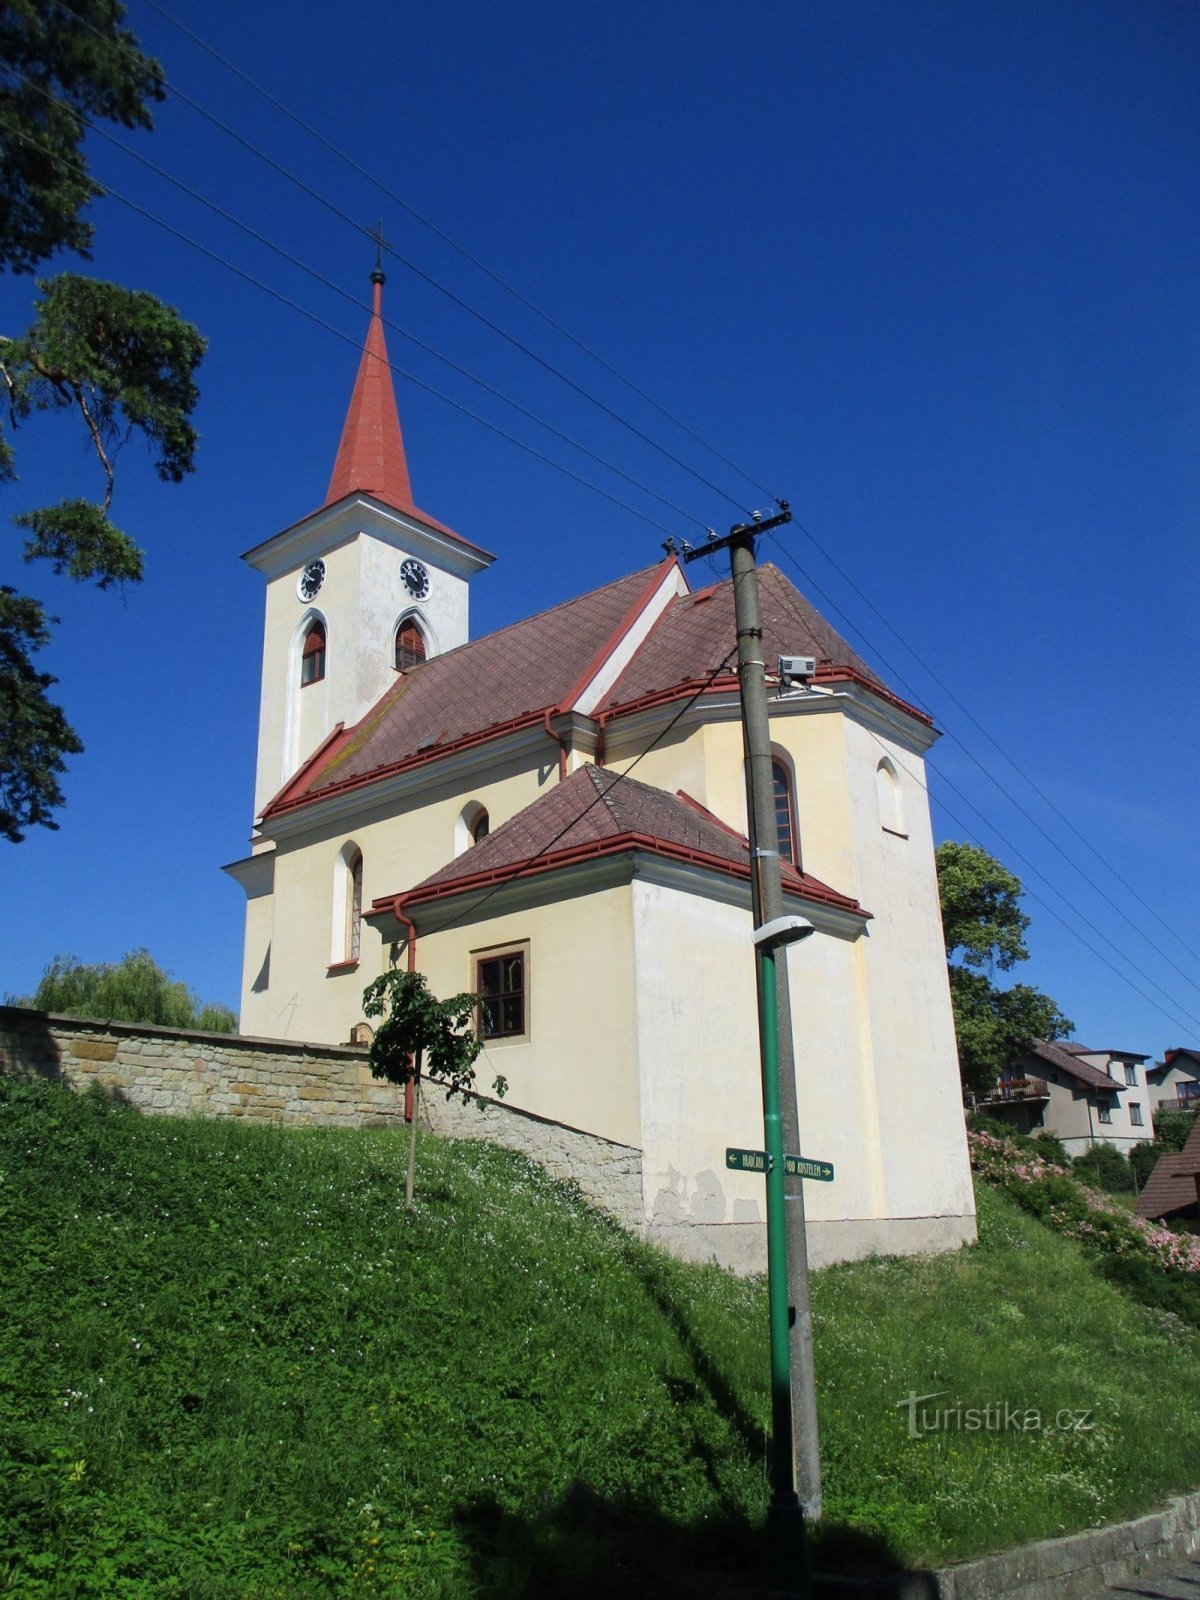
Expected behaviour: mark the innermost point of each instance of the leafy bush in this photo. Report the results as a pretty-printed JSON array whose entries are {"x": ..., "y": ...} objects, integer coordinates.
[
  {"x": 1051, "y": 1148},
  {"x": 1105, "y": 1167},
  {"x": 1143, "y": 1158},
  {"x": 1171, "y": 1128}
]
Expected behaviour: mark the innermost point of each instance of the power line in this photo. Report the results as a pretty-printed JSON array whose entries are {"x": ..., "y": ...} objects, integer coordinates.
[
  {"x": 1032, "y": 893},
  {"x": 1020, "y": 808},
  {"x": 522, "y": 867},
  {"x": 1021, "y": 773},
  {"x": 435, "y": 283},
  {"x": 351, "y": 339},
  {"x": 454, "y": 244},
  {"x": 404, "y": 333}
]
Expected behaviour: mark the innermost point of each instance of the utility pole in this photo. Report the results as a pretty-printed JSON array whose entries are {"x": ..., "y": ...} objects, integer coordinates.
[{"x": 796, "y": 1483}]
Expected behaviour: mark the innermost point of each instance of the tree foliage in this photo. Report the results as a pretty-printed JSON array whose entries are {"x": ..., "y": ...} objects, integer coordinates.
[
  {"x": 982, "y": 918},
  {"x": 419, "y": 1030},
  {"x": 34, "y": 734},
  {"x": 134, "y": 989},
  {"x": 120, "y": 361},
  {"x": 984, "y": 926}
]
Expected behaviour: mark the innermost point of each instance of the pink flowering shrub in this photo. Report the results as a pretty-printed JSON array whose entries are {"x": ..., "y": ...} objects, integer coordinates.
[{"x": 1070, "y": 1207}]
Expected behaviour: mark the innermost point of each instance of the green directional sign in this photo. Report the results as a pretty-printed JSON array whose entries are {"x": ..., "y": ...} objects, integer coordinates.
[{"x": 794, "y": 1166}]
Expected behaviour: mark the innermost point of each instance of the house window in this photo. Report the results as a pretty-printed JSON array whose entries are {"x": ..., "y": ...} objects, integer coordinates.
[
  {"x": 312, "y": 657},
  {"x": 410, "y": 645},
  {"x": 1105, "y": 1113},
  {"x": 501, "y": 981},
  {"x": 1135, "y": 1115},
  {"x": 785, "y": 811},
  {"x": 480, "y": 828},
  {"x": 1189, "y": 1091},
  {"x": 1130, "y": 1075}
]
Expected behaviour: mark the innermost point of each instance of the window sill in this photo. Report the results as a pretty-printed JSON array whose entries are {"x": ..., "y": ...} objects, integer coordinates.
[{"x": 340, "y": 966}]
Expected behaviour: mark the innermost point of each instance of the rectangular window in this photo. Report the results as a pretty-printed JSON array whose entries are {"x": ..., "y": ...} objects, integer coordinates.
[
  {"x": 1130, "y": 1075},
  {"x": 1105, "y": 1113},
  {"x": 502, "y": 983},
  {"x": 1135, "y": 1115},
  {"x": 1189, "y": 1091}
]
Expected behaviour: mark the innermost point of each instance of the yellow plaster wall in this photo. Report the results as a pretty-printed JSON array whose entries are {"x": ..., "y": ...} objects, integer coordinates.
[
  {"x": 579, "y": 1064},
  {"x": 305, "y": 1000}
]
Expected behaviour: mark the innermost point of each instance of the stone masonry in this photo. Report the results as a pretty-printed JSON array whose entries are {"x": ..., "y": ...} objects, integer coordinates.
[{"x": 172, "y": 1073}]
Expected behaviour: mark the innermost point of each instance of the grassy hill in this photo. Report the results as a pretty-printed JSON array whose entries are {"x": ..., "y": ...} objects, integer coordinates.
[{"x": 232, "y": 1364}]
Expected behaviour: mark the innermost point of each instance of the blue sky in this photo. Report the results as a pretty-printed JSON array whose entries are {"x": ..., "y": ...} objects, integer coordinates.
[{"x": 926, "y": 270}]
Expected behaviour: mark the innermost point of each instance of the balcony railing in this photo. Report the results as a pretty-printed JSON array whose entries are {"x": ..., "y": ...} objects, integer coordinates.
[
  {"x": 1014, "y": 1089},
  {"x": 1190, "y": 1103}
]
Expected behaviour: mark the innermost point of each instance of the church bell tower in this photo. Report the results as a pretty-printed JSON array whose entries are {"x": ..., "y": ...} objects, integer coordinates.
[{"x": 359, "y": 591}]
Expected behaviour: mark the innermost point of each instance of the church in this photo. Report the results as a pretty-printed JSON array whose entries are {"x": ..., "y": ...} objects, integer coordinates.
[{"x": 553, "y": 816}]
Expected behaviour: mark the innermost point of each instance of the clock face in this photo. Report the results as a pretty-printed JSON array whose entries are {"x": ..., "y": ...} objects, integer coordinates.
[
  {"x": 310, "y": 580},
  {"x": 414, "y": 578}
]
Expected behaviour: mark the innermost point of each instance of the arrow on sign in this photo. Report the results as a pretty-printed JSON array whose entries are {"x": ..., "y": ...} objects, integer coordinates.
[{"x": 794, "y": 1166}]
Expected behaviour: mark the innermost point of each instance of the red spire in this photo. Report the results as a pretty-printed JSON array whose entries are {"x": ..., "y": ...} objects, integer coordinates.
[{"x": 371, "y": 455}]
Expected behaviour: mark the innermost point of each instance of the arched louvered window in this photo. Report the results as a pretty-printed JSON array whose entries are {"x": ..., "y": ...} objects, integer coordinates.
[
  {"x": 785, "y": 811},
  {"x": 480, "y": 828},
  {"x": 312, "y": 657},
  {"x": 354, "y": 902},
  {"x": 410, "y": 645}
]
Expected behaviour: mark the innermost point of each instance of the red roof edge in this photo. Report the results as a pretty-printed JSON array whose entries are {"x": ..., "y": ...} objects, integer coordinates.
[
  {"x": 418, "y": 759},
  {"x": 653, "y": 584},
  {"x": 618, "y": 845},
  {"x": 278, "y": 799}
]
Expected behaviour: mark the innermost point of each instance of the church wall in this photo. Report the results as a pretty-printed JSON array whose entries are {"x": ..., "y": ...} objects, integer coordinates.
[
  {"x": 917, "y": 1084},
  {"x": 578, "y": 1065},
  {"x": 400, "y": 844},
  {"x": 696, "y": 986}
]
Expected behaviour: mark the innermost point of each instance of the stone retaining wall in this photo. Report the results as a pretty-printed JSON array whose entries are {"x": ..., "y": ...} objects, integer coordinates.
[{"x": 172, "y": 1073}]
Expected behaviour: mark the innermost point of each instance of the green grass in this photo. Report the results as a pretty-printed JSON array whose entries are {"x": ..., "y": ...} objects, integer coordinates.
[{"x": 232, "y": 1364}]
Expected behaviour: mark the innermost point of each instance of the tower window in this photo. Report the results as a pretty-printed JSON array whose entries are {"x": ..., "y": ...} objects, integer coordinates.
[
  {"x": 410, "y": 645},
  {"x": 785, "y": 811},
  {"x": 312, "y": 657},
  {"x": 480, "y": 828}
]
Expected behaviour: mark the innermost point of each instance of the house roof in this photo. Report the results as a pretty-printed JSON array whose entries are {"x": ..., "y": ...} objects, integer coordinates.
[
  {"x": 515, "y": 676},
  {"x": 1172, "y": 1184},
  {"x": 596, "y": 812},
  {"x": 1056, "y": 1056},
  {"x": 1171, "y": 1058}
]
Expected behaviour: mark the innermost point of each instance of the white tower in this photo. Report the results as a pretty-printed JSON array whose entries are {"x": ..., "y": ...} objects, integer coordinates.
[{"x": 357, "y": 591}]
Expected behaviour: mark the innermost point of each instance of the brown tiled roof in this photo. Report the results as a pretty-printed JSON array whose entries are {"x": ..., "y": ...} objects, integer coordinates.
[
  {"x": 503, "y": 678},
  {"x": 696, "y": 630},
  {"x": 515, "y": 675},
  {"x": 1083, "y": 1071},
  {"x": 598, "y": 812},
  {"x": 1172, "y": 1185}
]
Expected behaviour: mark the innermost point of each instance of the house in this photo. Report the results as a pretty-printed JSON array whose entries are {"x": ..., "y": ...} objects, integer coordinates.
[
  {"x": 553, "y": 816},
  {"x": 1172, "y": 1191},
  {"x": 1175, "y": 1081},
  {"x": 1075, "y": 1093}
]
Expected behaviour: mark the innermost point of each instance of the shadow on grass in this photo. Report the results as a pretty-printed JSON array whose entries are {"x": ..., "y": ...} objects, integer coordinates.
[{"x": 588, "y": 1547}]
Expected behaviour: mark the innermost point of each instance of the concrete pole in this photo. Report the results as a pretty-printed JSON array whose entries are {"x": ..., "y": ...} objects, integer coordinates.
[{"x": 766, "y": 878}]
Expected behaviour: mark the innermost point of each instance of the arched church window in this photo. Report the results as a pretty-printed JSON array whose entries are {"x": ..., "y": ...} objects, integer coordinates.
[
  {"x": 312, "y": 656},
  {"x": 354, "y": 900},
  {"x": 891, "y": 801},
  {"x": 785, "y": 811},
  {"x": 480, "y": 828},
  {"x": 410, "y": 645}
]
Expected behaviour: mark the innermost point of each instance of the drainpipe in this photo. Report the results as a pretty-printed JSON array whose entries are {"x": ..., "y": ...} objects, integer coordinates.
[
  {"x": 412, "y": 967},
  {"x": 602, "y": 737},
  {"x": 559, "y": 740}
]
